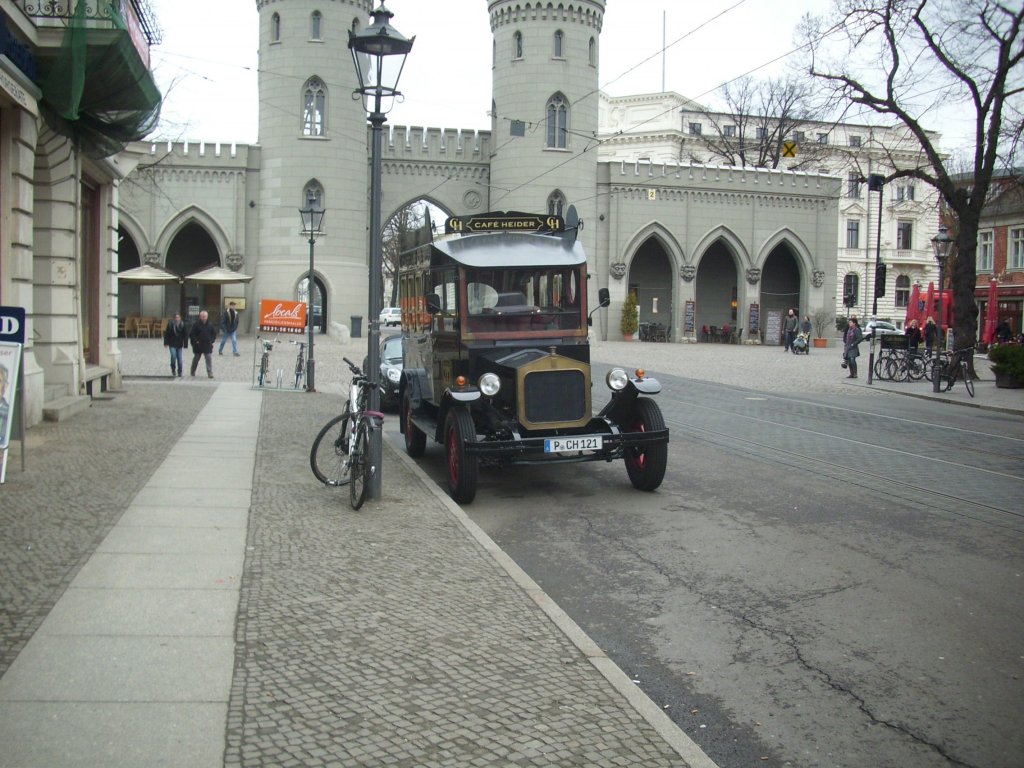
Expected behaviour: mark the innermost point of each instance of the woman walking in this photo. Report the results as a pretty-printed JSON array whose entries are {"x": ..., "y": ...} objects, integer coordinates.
[{"x": 852, "y": 338}]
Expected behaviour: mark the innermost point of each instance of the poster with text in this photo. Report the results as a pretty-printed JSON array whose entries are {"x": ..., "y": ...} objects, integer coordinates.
[
  {"x": 282, "y": 316},
  {"x": 10, "y": 359}
]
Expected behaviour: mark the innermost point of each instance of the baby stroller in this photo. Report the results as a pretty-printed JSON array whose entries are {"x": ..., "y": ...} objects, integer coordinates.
[{"x": 800, "y": 344}]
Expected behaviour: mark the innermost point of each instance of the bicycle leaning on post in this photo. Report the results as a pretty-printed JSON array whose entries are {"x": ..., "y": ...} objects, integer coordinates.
[
  {"x": 955, "y": 365},
  {"x": 268, "y": 346},
  {"x": 300, "y": 362},
  {"x": 341, "y": 450}
]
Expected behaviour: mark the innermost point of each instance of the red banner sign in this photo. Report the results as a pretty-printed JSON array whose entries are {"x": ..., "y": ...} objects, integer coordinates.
[{"x": 280, "y": 316}]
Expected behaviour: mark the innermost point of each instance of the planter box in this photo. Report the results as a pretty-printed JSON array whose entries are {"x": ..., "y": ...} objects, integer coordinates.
[
  {"x": 820, "y": 343},
  {"x": 1006, "y": 381}
]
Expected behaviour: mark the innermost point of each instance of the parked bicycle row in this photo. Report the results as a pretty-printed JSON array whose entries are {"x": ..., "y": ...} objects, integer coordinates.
[{"x": 912, "y": 365}]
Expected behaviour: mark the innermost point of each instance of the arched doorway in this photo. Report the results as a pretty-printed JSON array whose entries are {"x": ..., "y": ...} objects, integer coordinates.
[
  {"x": 320, "y": 308},
  {"x": 716, "y": 287},
  {"x": 129, "y": 295},
  {"x": 191, "y": 250},
  {"x": 650, "y": 276},
  {"x": 398, "y": 230},
  {"x": 780, "y": 285}
]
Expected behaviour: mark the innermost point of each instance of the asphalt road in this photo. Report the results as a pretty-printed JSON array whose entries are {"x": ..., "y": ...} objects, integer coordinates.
[{"x": 822, "y": 580}]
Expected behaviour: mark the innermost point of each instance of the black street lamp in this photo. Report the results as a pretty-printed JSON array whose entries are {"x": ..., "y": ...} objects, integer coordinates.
[
  {"x": 942, "y": 244},
  {"x": 312, "y": 225},
  {"x": 378, "y": 52},
  {"x": 875, "y": 183}
]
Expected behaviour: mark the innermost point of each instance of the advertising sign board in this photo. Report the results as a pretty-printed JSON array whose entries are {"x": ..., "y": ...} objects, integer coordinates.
[{"x": 282, "y": 316}]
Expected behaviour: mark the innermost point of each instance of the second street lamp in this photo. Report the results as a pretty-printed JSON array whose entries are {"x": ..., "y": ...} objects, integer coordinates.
[
  {"x": 378, "y": 52},
  {"x": 312, "y": 223},
  {"x": 942, "y": 244}
]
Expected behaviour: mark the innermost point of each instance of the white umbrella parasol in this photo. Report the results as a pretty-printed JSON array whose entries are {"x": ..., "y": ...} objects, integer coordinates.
[
  {"x": 217, "y": 276},
  {"x": 148, "y": 275}
]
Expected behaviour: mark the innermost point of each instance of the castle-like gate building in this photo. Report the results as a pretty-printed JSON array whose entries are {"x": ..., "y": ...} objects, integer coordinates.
[{"x": 700, "y": 245}]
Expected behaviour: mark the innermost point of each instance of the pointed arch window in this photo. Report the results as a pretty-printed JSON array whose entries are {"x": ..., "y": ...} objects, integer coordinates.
[
  {"x": 314, "y": 107},
  {"x": 592, "y": 52},
  {"x": 355, "y": 24},
  {"x": 556, "y": 203},
  {"x": 275, "y": 28},
  {"x": 559, "y": 50},
  {"x": 313, "y": 195},
  {"x": 315, "y": 25},
  {"x": 517, "y": 45},
  {"x": 558, "y": 122}
]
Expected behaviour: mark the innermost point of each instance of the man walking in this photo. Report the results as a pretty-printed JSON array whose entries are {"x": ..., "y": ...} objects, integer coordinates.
[
  {"x": 229, "y": 325},
  {"x": 202, "y": 336}
]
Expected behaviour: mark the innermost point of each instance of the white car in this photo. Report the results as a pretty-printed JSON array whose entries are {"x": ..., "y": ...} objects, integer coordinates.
[
  {"x": 390, "y": 316},
  {"x": 882, "y": 327}
]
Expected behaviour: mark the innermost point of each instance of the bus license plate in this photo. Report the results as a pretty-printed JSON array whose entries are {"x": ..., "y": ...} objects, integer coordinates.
[{"x": 570, "y": 444}]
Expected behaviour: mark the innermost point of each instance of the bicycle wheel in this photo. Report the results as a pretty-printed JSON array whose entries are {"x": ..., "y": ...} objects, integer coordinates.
[
  {"x": 328, "y": 458},
  {"x": 915, "y": 367},
  {"x": 298, "y": 372},
  {"x": 968, "y": 381},
  {"x": 360, "y": 466},
  {"x": 264, "y": 364},
  {"x": 896, "y": 370},
  {"x": 880, "y": 363}
]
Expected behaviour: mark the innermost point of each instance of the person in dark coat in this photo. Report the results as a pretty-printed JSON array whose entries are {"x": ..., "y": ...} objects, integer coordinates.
[
  {"x": 931, "y": 335},
  {"x": 852, "y": 338},
  {"x": 913, "y": 337},
  {"x": 175, "y": 339},
  {"x": 229, "y": 325},
  {"x": 202, "y": 336}
]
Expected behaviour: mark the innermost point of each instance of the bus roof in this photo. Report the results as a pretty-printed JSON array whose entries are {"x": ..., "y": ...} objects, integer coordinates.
[{"x": 512, "y": 249}]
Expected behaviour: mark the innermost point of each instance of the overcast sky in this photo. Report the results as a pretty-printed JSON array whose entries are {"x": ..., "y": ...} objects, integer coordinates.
[{"x": 207, "y": 64}]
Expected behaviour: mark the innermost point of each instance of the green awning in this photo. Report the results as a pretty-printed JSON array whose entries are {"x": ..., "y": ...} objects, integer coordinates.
[{"x": 98, "y": 90}]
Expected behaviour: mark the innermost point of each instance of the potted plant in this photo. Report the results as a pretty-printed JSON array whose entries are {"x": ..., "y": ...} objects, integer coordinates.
[
  {"x": 630, "y": 317},
  {"x": 821, "y": 319},
  {"x": 1008, "y": 365}
]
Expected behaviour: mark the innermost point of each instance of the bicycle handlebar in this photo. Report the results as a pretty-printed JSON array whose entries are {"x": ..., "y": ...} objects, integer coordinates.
[{"x": 356, "y": 371}]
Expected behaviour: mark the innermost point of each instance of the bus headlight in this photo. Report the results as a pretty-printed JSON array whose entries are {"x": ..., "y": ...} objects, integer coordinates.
[
  {"x": 616, "y": 379},
  {"x": 490, "y": 384}
]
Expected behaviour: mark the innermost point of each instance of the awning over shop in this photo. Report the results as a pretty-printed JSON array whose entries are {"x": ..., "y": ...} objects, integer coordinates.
[{"x": 98, "y": 90}]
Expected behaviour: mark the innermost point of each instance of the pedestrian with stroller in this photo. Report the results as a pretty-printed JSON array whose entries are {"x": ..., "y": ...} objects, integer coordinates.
[
  {"x": 792, "y": 321},
  {"x": 175, "y": 339},
  {"x": 851, "y": 350}
]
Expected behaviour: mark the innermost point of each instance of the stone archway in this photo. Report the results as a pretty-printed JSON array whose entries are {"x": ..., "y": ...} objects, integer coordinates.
[
  {"x": 650, "y": 275},
  {"x": 717, "y": 285},
  {"x": 780, "y": 281},
  {"x": 320, "y": 308},
  {"x": 129, "y": 295},
  {"x": 191, "y": 249}
]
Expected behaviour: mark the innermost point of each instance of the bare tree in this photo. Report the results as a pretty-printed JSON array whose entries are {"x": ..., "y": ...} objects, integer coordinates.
[
  {"x": 903, "y": 59},
  {"x": 397, "y": 232},
  {"x": 758, "y": 119}
]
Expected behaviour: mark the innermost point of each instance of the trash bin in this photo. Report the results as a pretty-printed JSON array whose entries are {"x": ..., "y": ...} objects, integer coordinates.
[{"x": 357, "y": 326}]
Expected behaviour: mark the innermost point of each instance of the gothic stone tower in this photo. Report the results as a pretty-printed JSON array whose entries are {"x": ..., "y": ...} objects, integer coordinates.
[
  {"x": 313, "y": 148},
  {"x": 545, "y": 107}
]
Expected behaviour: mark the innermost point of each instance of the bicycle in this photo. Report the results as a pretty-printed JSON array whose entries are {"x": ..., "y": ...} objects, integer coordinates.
[
  {"x": 340, "y": 452},
  {"x": 268, "y": 346},
  {"x": 300, "y": 362},
  {"x": 954, "y": 365}
]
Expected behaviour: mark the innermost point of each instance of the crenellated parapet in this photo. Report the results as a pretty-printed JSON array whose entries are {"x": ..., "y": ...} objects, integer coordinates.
[
  {"x": 589, "y": 13},
  {"x": 755, "y": 178},
  {"x": 189, "y": 152},
  {"x": 440, "y": 145}
]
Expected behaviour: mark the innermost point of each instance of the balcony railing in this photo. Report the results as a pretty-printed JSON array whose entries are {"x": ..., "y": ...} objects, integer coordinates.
[{"x": 131, "y": 13}]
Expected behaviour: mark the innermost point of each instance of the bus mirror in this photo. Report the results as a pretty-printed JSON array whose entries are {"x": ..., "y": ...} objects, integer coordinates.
[
  {"x": 604, "y": 298},
  {"x": 433, "y": 303}
]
